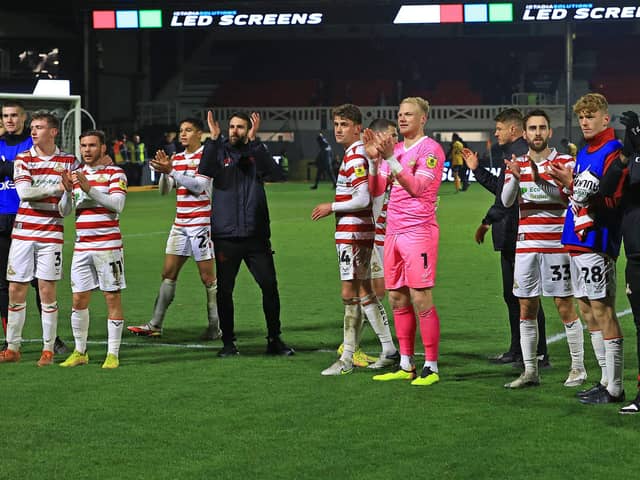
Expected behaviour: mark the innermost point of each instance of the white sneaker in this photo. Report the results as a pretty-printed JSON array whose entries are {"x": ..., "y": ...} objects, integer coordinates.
[
  {"x": 577, "y": 376},
  {"x": 386, "y": 361},
  {"x": 527, "y": 379},
  {"x": 340, "y": 367},
  {"x": 632, "y": 408}
]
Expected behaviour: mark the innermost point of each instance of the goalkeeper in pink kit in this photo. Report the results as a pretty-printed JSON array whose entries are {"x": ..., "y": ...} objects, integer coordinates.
[{"x": 414, "y": 167}]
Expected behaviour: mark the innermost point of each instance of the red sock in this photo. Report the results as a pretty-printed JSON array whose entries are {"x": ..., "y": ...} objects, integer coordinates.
[
  {"x": 430, "y": 332},
  {"x": 405, "y": 322}
]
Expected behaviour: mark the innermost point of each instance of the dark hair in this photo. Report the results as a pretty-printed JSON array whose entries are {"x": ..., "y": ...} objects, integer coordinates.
[
  {"x": 510, "y": 115},
  {"x": 536, "y": 113},
  {"x": 196, "y": 122},
  {"x": 51, "y": 119},
  {"x": 381, "y": 124},
  {"x": 13, "y": 103},
  {"x": 348, "y": 111},
  {"x": 94, "y": 133},
  {"x": 243, "y": 116}
]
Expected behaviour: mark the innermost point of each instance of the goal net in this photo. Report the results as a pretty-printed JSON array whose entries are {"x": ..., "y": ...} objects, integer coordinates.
[{"x": 66, "y": 108}]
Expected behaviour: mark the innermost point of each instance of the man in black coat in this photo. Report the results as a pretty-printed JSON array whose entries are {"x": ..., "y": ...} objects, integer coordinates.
[
  {"x": 504, "y": 223},
  {"x": 240, "y": 225},
  {"x": 628, "y": 165}
]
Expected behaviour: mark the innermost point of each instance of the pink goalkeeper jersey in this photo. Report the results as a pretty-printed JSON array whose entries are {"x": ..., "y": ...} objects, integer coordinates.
[{"x": 422, "y": 164}]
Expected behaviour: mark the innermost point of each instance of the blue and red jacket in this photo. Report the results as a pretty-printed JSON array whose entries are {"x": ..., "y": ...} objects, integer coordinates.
[
  {"x": 10, "y": 147},
  {"x": 606, "y": 234}
]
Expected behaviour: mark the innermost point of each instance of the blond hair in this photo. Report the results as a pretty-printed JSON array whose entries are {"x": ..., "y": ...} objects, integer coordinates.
[
  {"x": 420, "y": 102},
  {"x": 591, "y": 102}
]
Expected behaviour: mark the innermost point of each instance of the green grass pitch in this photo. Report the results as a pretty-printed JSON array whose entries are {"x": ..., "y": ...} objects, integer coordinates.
[{"x": 174, "y": 410}]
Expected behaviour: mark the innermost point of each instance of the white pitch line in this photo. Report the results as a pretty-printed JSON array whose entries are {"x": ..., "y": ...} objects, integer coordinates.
[
  {"x": 198, "y": 346},
  {"x": 559, "y": 336}
]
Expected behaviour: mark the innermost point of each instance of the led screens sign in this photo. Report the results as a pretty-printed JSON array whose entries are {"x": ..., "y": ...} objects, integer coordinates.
[
  {"x": 399, "y": 13},
  {"x": 230, "y": 18},
  {"x": 578, "y": 12},
  {"x": 509, "y": 12}
]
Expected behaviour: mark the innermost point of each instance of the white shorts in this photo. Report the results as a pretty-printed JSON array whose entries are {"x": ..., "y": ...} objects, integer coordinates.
[
  {"x": 29, "y": 260},
  {"x": 593, "y": 276},
  {"x": 354, "y": 261},
  {"x": 547, "y": 274},
  {"x": 103, "y": 269},
  {"x": 190, "y": 242},
  {"x": 377, "y": 258}
]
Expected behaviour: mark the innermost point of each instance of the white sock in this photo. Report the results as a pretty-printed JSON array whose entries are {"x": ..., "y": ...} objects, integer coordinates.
[
  {"x": 212, "y": 304},
  {"x": 163, "y": 300},
  {"x": 598, "y": 348},
  {"x": 529, "y": 344},
  {"x": 575, "y": 340},
  {"x": 362, "y": 325},
  {"x": 114, "y": 335},
  {"x": 49, "y": 325},
  {"x": 80, "y": 328},
  {"x": 406, "y": 362},
  {"x": 351, "y": 326},
  {"x": 432, "y": 364},
  {"x": 379, "y": 324},
  {"x": 15, "y": 324},
  {"x": 615, "y": 364}
]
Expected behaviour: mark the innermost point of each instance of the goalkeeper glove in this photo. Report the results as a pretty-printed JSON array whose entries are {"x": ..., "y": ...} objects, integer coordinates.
[{"x": 632, "y": 133}]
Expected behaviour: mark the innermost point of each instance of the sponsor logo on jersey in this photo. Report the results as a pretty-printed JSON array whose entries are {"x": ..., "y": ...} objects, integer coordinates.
[
  {"x": 432, "y": 161},
  {"x": 7, "y": 185},
  {"x": 360, "y": 171},
  {"x": 122, "y": 184}
]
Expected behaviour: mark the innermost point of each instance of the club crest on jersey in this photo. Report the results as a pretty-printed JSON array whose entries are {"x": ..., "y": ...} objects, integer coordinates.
[
  {"x": 58, "y": 169},
  {"x": 10, "y": 270},
  {"x": 432, "y": 161},
  {"x": 227, "y": 162},
  {"x": 102, "y": 179},
  {"x": 360, "y": 171}
]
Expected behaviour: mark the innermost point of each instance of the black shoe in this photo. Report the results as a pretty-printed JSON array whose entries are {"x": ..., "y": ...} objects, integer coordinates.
[
  {"x": 59, "y": 347},
  {"x": 313, "y": 187},
  {"x": 506, "y": 357},
  {"x": 275, "y": 346},
  {"x": 544, "y": 362},
  {"x": 228, "y": 350},
  {"x": 590, "y": 391},
  {"x": 602, "y": 396},
  {"x": 632, "y": 408}
]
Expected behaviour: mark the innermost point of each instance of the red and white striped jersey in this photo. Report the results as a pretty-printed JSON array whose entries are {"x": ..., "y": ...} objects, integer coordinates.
[
  {"x": 97, "y": 227},
  {"x": 379, "y": 205},
  {"x": 541, "y": 215},
  {"x": 40, "y": 220},
  {"x": 191, "y": 210},
  {"x": 353, "y": 227}
]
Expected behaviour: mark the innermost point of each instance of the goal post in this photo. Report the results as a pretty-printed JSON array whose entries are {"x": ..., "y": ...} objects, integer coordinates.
[{"x": 67, "y": 109}]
